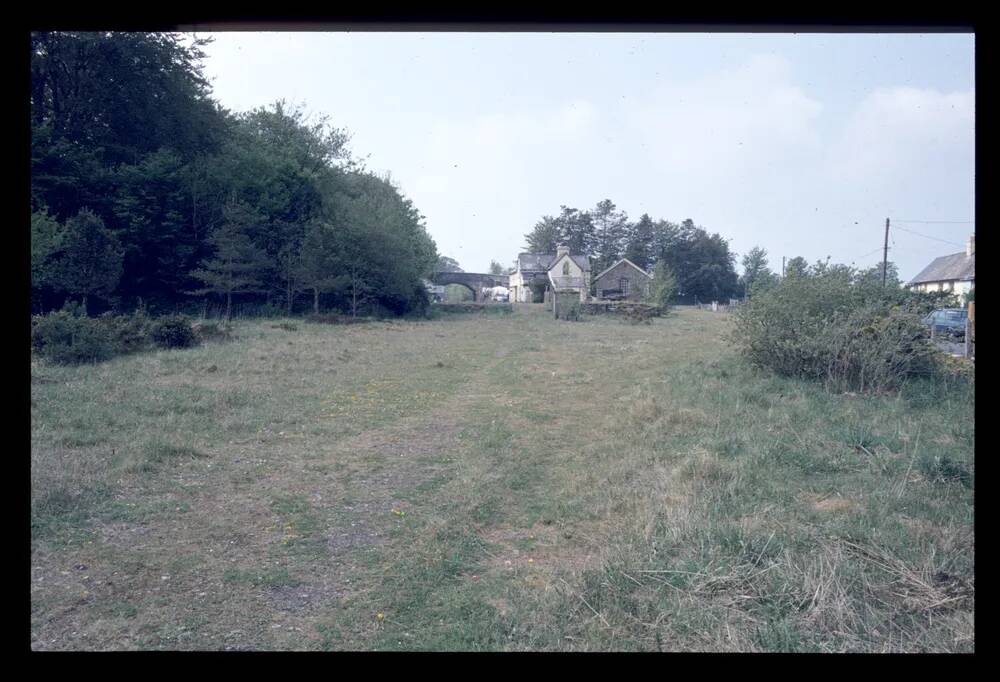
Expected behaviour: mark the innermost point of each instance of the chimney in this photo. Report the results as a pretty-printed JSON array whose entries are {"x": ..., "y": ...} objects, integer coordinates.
[
  {"x": 560, "y": 250},
  {"x": 970, "y": 246}
]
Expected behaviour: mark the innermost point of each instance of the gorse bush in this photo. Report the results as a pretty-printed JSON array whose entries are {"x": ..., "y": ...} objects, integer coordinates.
[
  {"x": 128, "y": 333},
  {"x": 173, "y": 331},
  {"x": 853, "y": 335},
  {"x": 69, "y": 339}
]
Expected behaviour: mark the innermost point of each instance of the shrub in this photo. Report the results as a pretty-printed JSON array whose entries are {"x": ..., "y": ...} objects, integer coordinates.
[
  {"x": 853, "y": 336},
  {"x": 173, "y": 331},
  {"x": 663, "y": 288},
  {"x": 639, "y": 314},
  {"x": 69, "y": 339},
  {"x": 128, "y": 333},
  {"x": 567, "y": 306}
]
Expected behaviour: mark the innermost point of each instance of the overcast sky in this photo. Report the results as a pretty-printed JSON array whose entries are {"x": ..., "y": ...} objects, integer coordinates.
[{"x": 802, "y": 144}]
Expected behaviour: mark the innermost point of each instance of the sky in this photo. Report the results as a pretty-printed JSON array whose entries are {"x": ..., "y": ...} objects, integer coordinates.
[{"x": 802, "y": 144}]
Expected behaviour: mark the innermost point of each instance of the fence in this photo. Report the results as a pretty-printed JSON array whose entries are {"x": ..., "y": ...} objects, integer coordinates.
[{"x": 716, "y": 306}]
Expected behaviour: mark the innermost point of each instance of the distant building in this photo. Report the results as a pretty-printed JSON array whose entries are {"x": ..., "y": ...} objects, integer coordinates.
[
  {"x": 539, "y": 272},
  {"x": 954, "y": 273},
  {"x": 623, "y": 280}
]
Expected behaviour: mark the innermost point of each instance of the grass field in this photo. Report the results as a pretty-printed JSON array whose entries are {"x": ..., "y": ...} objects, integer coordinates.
[{"x": 493, "y": 482}]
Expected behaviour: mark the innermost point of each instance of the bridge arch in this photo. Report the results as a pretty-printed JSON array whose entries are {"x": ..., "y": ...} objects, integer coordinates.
[{"x": 474, "y": 281}]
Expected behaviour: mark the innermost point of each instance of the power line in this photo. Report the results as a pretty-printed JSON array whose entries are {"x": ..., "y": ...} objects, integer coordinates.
[
  {"x": 857, "y": 258},
  {"x": 928, "y": 237},
  {"x": 939, "y": 222}
]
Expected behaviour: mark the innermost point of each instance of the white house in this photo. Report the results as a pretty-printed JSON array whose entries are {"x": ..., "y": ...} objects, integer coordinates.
[
  {"x": 954, "y": 273},
  {"x": 540, "y": 272}
]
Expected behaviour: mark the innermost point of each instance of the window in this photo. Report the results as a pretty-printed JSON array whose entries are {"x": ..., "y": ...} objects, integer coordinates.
[
  {"x": 566, "y": 268},
  {"x": 623, "y": 285}
]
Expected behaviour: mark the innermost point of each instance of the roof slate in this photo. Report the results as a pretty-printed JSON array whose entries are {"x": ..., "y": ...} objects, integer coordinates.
[
  {"x": 956, "y": 266},
  {"x": 541, "y": 262}
]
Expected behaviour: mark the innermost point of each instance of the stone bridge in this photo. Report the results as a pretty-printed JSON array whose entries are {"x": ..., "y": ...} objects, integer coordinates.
[{"x": 473, "y": 281}]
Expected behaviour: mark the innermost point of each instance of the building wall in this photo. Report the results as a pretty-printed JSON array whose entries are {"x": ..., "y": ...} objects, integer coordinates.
[
  {"x": 522, "y": 283},
  {"x": 637, "y": 281},
  {"x": 556, "y": 271},
  {"x": 574, "y": 270},
  {"x": 958, "y": 288}
]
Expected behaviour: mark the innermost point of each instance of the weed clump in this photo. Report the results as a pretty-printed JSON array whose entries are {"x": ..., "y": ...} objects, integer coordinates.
[
  {"x": 173, "y": 331},
  {"x": 211, "y": 331}
]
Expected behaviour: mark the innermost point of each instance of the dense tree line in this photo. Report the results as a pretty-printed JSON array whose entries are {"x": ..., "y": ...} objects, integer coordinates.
[
  {"x": 701, "y": 263},
  {"x": 145, "y": 189}
]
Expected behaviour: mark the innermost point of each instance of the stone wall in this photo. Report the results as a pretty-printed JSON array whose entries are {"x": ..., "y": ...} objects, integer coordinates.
[{"x": 621, "y": 308}]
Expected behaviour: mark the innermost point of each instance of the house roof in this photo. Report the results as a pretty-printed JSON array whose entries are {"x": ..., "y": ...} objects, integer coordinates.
[
  {"x": 953, "y": 267},
  {"x": 623, "y": 260},
  {"x": 540, "y": 262}
]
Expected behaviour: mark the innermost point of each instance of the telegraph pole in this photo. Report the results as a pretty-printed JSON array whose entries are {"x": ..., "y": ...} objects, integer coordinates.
[
  {"x": 782, "y": 267},
  {"x": 885, "y": 251}
]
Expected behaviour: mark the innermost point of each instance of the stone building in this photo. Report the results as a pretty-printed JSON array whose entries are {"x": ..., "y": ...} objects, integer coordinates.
[
  {"x": 623, "y": 280},
  {"x": 538, "y": 273}
]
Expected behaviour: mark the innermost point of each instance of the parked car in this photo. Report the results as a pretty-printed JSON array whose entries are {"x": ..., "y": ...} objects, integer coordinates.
[{"x": 947, "y": 321}]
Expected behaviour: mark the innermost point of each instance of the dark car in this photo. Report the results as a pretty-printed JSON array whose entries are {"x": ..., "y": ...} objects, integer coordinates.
[{"x": 947, "y": 321}]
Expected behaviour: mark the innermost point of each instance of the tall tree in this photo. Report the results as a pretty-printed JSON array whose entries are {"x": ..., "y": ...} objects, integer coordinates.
[
  {"x": 102, "y": 99},
  {"x": 445, "y": 264},
  {"x": 756, "y": 274},
  {"x": 239, "y": 266},
  {"x": 495, "y": 268},
  {"x": 544, "y": 236},
  {"x": 609, "y": 233},
  {"x": 91, "y": 261},
  {"x": 319, "y": 266},
  {"x": 639, "y": 241},
  {"x": 665, "y": 237},
  {"x": 796, "y": 267},
  {"x": 576, "y": 230},
  {"x": 703, "y": 264},
  {"x": 47, "y": 237}
]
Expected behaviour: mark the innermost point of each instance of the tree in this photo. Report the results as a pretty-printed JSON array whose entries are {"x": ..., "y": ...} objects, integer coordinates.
[
  {"x": 91, "y": 262},
  {"x": 47, "y": 237},
  {"x": 609, "y": 233},
  {"x": 544, "y": 236},
  {"x": 663, "y": 288},
  {"x": 702, "y": 263},
  {"x": 873, "y": 275},
  {"x": 318, "y": 266},
  {"x": 796, "y": 267},
  {"x": 495, "y": 268},
  {"x": 445, "y": 264},
  {"x": 105, "y": 98},
  {"x": 665, "y": 237},
  {"x": 639, "y": 241},
  {"x": 756, "y": 275},
  {"x": 576, "y": 231},
  {"x": 387, "y": 251},
  {"x": 239, "y": 266}
]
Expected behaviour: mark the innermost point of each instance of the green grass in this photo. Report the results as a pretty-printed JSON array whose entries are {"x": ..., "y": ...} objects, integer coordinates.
[{"x": 494, "y": 482}]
